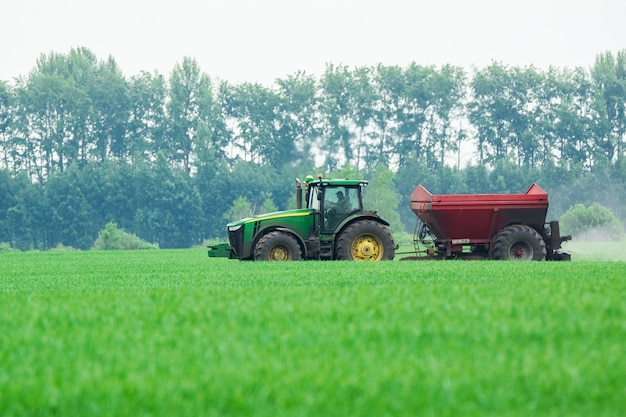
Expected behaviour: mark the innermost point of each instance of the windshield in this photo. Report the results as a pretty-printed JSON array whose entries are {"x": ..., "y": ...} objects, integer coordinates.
[
  {"x": 342, "y": 199},
  {"x": 339, "y": 203}
]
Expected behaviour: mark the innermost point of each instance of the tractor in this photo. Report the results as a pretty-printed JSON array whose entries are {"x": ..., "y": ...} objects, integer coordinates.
[{"x": 331, "y": 225}]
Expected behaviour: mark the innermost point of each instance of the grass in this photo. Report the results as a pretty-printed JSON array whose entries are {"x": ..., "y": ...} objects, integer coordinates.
[{"x": 174, "y": 333}]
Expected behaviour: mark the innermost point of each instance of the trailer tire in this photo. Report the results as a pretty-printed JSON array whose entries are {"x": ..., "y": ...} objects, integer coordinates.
[
  {"x": 518, "y": 242},
  {"x": 365, "y": 240},
  {"x": 277, "y": 246}
]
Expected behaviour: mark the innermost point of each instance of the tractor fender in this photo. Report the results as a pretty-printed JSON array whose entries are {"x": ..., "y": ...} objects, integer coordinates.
[
  {"x": 364, "y": 215},
  {"x": 539, "y": 229}
]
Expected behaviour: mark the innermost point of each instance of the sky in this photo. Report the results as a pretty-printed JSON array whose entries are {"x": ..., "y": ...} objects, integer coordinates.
[{"x": 260, "y": 41}]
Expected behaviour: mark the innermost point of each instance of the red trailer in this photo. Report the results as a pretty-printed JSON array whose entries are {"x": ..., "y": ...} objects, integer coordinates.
[{"x": 487, "y": 226}]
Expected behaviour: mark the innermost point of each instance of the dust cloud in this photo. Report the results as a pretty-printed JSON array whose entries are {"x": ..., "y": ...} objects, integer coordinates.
[{"x": 596, "y": 245}]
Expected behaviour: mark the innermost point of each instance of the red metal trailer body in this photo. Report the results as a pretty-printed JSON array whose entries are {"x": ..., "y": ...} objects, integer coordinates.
[{"x": 481, "y": 225}]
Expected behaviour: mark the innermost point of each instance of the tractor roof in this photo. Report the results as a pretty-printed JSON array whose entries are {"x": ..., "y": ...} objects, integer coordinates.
[{"x": 328, "y": 181}]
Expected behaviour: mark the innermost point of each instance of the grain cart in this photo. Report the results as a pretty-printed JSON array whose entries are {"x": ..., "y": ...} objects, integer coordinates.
[
  {"x": 486, "y": 226},
  {"x": 331, "y": 225}
]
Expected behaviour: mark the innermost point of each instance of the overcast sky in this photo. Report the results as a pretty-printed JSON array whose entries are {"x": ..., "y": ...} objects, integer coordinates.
[{"x": 259, "y": 41}]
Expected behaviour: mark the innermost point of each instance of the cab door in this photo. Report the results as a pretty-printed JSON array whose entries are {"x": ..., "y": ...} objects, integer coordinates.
[{"x": 338, "y": 202}]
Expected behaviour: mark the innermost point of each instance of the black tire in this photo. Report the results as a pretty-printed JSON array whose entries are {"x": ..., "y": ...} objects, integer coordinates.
[
  {"x": 365, "y": 240},
  {"x": 518, "y": 243},
  {"x": 277, "y": 246}
]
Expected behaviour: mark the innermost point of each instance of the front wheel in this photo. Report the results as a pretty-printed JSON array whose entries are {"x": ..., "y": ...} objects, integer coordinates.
[
  {"x": 277, "y": 246},
  {"x": 518, "y": 243},
  {"x": 365, "y": 240}
]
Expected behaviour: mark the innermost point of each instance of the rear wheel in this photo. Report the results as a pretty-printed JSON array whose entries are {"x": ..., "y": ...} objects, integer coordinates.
[
  {"x": 518, "y": 243},
  {"x": 277, "y": 246},
  {"x": 365, "y": 240}
]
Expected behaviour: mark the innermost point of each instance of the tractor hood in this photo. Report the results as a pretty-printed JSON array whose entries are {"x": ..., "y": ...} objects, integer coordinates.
[{"x": 268, "y": 216}]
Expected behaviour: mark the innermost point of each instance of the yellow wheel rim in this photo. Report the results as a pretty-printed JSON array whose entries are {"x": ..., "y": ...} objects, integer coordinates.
[
  {"x": 279, "y": 253},
  {"x": 367, "y": 248}
]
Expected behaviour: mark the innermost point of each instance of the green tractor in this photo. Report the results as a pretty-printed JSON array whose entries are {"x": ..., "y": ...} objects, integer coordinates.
[{"x": 332, "y": 225}]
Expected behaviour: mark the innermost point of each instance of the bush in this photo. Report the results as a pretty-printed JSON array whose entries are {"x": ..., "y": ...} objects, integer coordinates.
[
  {"x": 592, "y": 223},
  {"x": 6, "y": 247},
  {"x": 62, "y": 248},
  {"x": 112, "y": 238}
]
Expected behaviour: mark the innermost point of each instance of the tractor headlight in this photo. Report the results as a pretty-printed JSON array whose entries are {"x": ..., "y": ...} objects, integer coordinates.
[{"x": 234, "y": 228}]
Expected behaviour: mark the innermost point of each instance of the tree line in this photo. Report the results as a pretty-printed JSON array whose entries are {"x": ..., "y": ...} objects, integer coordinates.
[{"x": 166, "y": 158}]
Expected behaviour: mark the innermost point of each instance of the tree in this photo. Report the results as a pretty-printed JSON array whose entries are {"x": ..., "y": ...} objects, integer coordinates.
[
  {"x": 609, "y": 76},
  {"x": 147, "y": 119},
  {"x": 240, "y": 209},
  {"x": 191, "y": 110},
  {"x": 416, "y": 100},
  {"x": 381, "y": 196},
  {"x": 8, "y": 151},
  {"x": 594, "y": 222},
  {"x": 213, "y": 184},
  {"x": 337, "y": 107},
  {"x": 253, "y": 111},
  {"x": 109, "y": 93},
  {"x": 364, "y": 99},
  {"x": 72, "y": 219},
  {"x": 476, "y": 179},
  {"x": 169, "y": 213},
  {"x": 257, "y": 183},
  {"x": 298, "y": 119},
  {"x": 389, "y": 84},
  {"x": 503, "y": 109},
  {"x": 23, "y": 213},
  {"x": 7, "y": 201},
  {"x": 48, "y": 100},
  {"x": 448, "y": 92},
  {"x": 566, "y": 119},
  {"x": 508, "y": 177},
  {"x": 73, "y": 107},
  {"x": 268, "y": 206}
]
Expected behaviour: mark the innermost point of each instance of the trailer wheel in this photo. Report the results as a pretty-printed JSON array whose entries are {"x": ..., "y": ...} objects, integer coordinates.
[
  {"x": 277, "y": 246},
  {"x": 365, "y": 240},
  {"x": 518, "y": 243}
]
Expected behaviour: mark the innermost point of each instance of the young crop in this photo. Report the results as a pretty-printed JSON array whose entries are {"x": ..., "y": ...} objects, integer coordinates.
[{"x": 176, "y": 333}]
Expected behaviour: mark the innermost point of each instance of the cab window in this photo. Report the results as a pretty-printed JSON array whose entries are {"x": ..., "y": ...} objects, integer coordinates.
[
  {"x": 339, "y": 201},
  {"x": 342, "y": 199}
]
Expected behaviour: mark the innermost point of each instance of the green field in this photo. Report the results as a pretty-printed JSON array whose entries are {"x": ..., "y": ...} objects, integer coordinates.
[{"x": 174, "y": 333}]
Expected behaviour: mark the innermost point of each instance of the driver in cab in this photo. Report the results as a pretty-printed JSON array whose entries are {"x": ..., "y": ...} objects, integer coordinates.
[{"x": 342, "y": 205}]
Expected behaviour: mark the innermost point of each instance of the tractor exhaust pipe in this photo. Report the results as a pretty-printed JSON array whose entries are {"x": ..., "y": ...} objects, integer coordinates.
[{"x": 298, "y": 193}]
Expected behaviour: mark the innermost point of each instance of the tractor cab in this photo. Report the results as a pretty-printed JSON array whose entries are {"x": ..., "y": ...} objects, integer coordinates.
[{"x": 334, "y": 200}]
